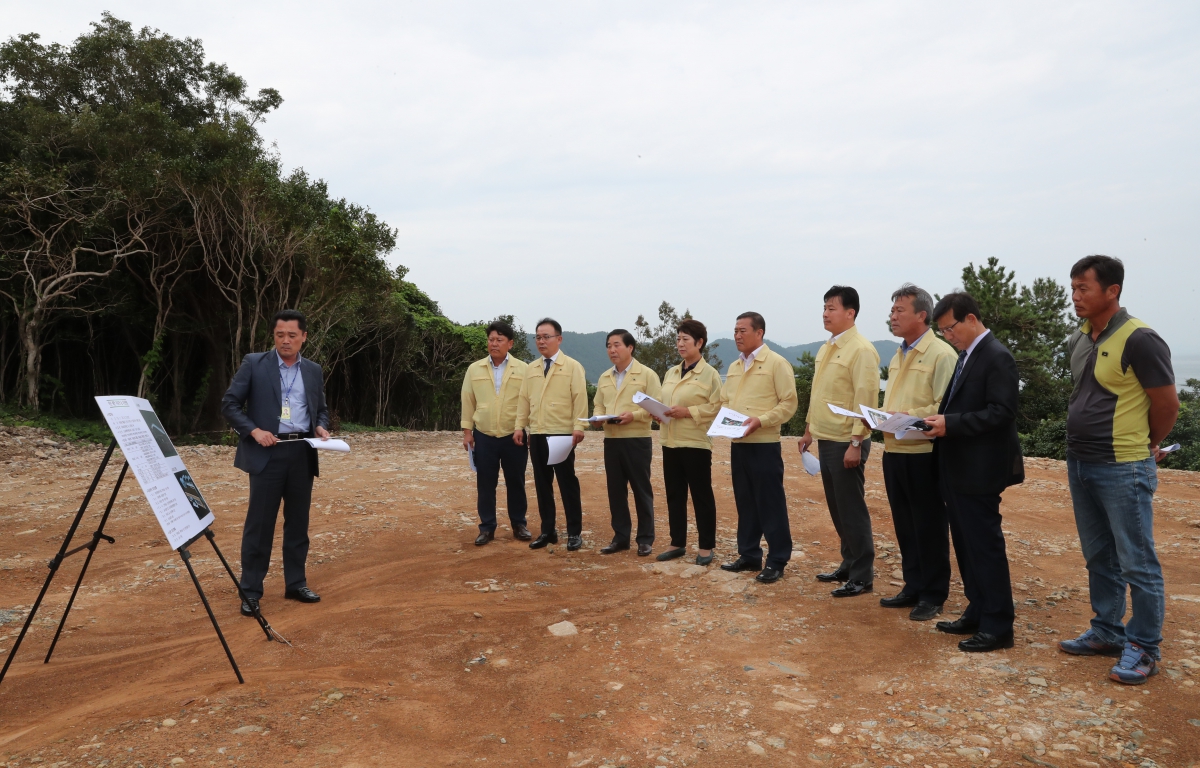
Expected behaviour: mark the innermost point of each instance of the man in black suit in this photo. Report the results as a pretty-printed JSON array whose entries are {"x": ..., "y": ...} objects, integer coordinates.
[
  {"x": 978, "y": 455},
  {"x": 275, "y": 401}
]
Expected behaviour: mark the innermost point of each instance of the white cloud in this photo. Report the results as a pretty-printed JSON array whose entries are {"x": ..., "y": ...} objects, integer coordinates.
[{"x": 783, "y": 147}]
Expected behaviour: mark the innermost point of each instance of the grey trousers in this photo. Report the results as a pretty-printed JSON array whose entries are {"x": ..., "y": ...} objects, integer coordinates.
[
  {"x": 627, "y": 467},
  {"x": 848, "y": 508}
]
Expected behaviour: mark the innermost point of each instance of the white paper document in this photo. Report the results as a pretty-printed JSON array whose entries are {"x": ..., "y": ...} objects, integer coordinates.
[
  {"x": 1171, "y": 448},
  {"x": 471, "y": 459},
  {"x": 602, "y": 419},
  {"x": 331, "y": 444},
  {"x": 812, "y": 465},
  {"x": 844, "y": 412},
  {"x": 178, "y": 504},
  {"x": 653, "y": 407},
  {"x": 729, "y": 423},
  {"x": 899, "y": 425},
  {"x": 560, "y": 448}
]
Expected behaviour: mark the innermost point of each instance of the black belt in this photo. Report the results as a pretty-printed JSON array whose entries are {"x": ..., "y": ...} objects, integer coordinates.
[{"x": 293, "y": 435}]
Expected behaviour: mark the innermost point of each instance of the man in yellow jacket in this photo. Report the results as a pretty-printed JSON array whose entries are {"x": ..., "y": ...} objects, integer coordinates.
[
  {"x": 761, "y": 385},
  {"x": 917, "y": 379},
  {"x": 628, "y": 448},
  {"x": 490, "y": 391},
  {"x": 553, "y": 399},
  {"x": 847, "y": 375}
]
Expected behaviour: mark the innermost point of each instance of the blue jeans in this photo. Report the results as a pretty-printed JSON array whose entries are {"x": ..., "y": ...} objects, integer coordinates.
[{"x": 1114, "y": 512}]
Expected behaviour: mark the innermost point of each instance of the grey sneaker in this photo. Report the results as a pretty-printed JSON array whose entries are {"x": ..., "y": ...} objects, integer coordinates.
[
  {"x": 1135, "y": 667},
  {"x": 1090, "y": 644}
]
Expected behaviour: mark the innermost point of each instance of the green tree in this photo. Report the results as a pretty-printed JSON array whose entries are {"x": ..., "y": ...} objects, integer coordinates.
[
  {"x": 656, "y": 344},
  {"x": 1034, "y": 323},
  {"x": 1186, "y": 431},
  {"x": 804, "y": 378}
]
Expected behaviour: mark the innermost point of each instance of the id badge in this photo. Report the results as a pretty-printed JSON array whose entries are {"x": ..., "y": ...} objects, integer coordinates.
[{"x": 286, "y": 413}]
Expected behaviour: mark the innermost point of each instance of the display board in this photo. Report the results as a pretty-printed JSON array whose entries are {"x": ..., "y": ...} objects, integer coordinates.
[{"x": 174, "y": 497}]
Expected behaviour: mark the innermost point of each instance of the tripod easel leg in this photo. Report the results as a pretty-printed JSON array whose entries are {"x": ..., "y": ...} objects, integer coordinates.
[
  {"x": 262, "y": 622},
  {"x": 91, "y": 548},
  {"x": 187, "y": 560},
  {"x": 57, "y": 561}
]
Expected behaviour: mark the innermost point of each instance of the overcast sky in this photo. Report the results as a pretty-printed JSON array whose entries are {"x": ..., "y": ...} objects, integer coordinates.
[{"x": 589, "y": 160}]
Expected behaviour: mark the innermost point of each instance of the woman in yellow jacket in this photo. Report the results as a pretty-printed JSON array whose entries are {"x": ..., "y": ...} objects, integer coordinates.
[{"x": 693, "y": 391}]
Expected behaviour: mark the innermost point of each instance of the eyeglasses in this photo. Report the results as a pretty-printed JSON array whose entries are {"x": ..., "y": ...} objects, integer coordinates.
[
  {"x": 948, "y": 328},
  {"x": 545, "y": 338}
]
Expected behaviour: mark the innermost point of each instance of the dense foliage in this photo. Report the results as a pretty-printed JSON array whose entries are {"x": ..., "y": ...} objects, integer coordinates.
[{"x": 147, "y": 235}]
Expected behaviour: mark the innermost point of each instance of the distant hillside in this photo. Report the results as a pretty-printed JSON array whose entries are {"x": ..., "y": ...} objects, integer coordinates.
[
  {"x": 588, "y": 349},
  {"x": 728, "y": 350}
]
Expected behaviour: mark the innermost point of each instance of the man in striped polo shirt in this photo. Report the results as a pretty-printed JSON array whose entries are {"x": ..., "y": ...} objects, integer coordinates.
[{"x": 1123, "y": 404}]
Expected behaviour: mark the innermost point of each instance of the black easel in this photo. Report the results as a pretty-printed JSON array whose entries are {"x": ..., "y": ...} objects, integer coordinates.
[{"x": 99, "y": 535}]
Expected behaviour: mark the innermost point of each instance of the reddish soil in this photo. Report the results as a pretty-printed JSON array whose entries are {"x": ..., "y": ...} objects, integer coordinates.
[{"x": 429, "y": 651}]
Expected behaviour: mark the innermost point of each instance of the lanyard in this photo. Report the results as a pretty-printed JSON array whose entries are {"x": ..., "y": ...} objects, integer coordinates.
[{"x": 288, "y": 393}]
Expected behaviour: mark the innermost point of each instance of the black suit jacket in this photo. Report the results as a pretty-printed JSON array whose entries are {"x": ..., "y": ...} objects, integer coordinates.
[
  {"x": 981, "y": 453},
  {"x": 254, "y": 399}
]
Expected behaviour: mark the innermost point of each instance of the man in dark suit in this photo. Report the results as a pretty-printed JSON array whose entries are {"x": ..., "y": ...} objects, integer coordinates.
[
  {"x": 978, "y": 455},
  {"x": 275, "y": 401}
]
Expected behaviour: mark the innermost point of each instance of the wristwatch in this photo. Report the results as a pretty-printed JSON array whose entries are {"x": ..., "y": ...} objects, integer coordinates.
[{"x": 854, "y": 441}]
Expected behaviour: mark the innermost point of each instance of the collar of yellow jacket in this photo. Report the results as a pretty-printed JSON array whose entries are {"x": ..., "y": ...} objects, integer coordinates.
[
  {"x": 700, "y": 366},
  {"x": 486, "y": 362},
  {"x": 846, "y": 336},
  {"x": 760, "y": 353},
  {"x": 634, "y": 367},
  {"x": 923, "y": 343}
]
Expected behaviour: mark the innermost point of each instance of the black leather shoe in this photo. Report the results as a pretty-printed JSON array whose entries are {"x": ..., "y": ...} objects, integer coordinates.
[
  {"x": 644, "y": 550},
  {"x": 614, "y": 547},
  {"x": 958, "y": 627},
  {"x": 742, "y": 564},
  {"x": 304, "y": 595},
  {"x": 838, "y": 575},
  {"x": 249, "y": 606},
  {"x": 982, "y": 642},
  {"x": 484, "y": 538},
  {"x": 544, "y": 539},
  {"x": 899, "y": 601},
  {"x": 924, "y": 611},
  {"x": 769, "y": 575},
  {"x": 521, "y": 533},
  {"x": 574, "y": 543},
  {"x": 852, "y": 589}
]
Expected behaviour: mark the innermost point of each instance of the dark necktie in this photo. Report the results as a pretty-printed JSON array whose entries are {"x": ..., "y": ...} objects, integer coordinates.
[
  {"x": 546, "y": 365},
  {"x": 962, "y": 359}
]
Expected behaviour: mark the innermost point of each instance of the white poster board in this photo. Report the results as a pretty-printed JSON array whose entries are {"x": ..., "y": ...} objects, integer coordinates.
[{"x": 177, "y": 502}]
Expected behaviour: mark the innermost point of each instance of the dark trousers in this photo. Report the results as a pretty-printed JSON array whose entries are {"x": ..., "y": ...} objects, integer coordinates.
[
  {"x": 627, "y": 467},
  {"x": 568, "y": 486},
  {"x": 982, "y": 559},
  {"x": 287, "y": 478},
  {"x": 848, "y": 508},
  {"x": 685, "y": 468},
  {"x": 922, "y": 531},
  {"x": 492, "y": 453},
  {"x": 757, "y": 470}
]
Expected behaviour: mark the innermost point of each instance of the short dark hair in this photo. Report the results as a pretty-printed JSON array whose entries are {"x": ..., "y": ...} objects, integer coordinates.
[
  {"x": 551, "y": 322},
  {"x": 756, "y": 320},
  {"x": 960, "y": 304},
  {"x": 845, "y": 294},
  {"x": 695, "y": 329},
  {"x": 1109, "y": 271},
  {"x": 288, "y": 315},
  {"x": 502, "y": 328},
  {"x": 626, "y": 337},
  {"x": 921, "y": 300}
]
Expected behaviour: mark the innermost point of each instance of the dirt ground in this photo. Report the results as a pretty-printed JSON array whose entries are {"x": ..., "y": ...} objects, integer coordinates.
[{"x": 429, "y": 651}]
